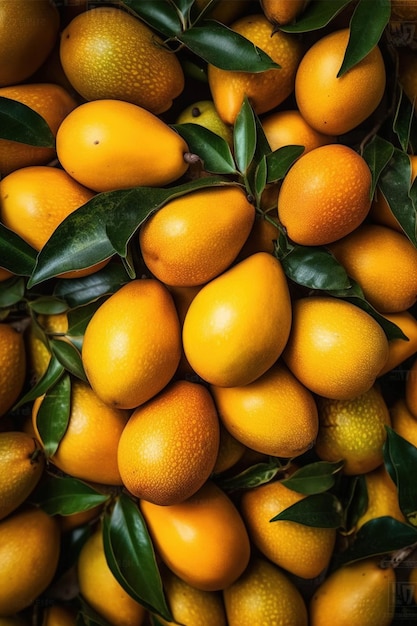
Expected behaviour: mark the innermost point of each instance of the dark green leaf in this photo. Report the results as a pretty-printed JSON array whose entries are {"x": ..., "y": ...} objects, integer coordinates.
[
  {"x": 313, "y": 478},
  {"x": 280, "y": 161},
  {"x": 404, "y": 124},
  {"x": 48, "y": 305},
  {"x": 79, "y": 318},
  {"x": 19, "y": 122},
  {"x": 316, "y": 268},
  {"x": 321, "y": 510},
  {"x": 244, "y": 137},
  {"x": 66, "y": 495},
  {"x": 53, "y": 414},
  {"x": 16, "y": 255},
  {"x": 131, "y": 558},
  {"x": 87, "y": 616},
  {"x": 184, "y": 7},
  {"x": 12, "y": 291},
  {"x": 377, "y": 154},
  {"x": 252, "y": 476},
  {"x": 69, "y": 356},
  {"x": 378, "y": 536},
  {"x": 79, "y": 291},
  {"x": 318, "y": 14},
  {"x": 367, "y": 25},
  {"x": 212, "y": 149},
  {"x": 395, "y": 183},
  {"x": 160, "y": 15},
  {"x": 219, "y": 45},
  {"x": 103, "y": 227},
  {"x": 355, "y": 499},
  {"x": 400, "y": 457},
  {"x": 44, "y": 384},
  {"x": 260, "y": 179}
]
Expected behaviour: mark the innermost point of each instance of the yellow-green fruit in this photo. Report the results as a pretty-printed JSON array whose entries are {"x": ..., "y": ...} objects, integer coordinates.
[
  {"x": 303, "y": 550},
  {"x": 28, "y": 32},
  {"x": 21, "y": 467},
  {"x": 132, "y": 344},
  {"x": 353, "y": 431},
  {"x": 109, "y": 53},
  {"x": 12, "y": 366},
  {"x": 195, "y": 237},
  {"x": 101, "y": 590},
  {"x": 359, "y": 593},
  {"x": 237, "y": 325},
  {"x": 204, "y": 113},
  {"x": 111, "y": 144},
  {"x": 264, "y": 595},
  {"x": 29, "y": 553}
]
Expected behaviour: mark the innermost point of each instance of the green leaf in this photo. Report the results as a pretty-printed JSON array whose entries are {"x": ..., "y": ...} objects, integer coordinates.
[
  {"x": 87, "y": 616},
  {"x": 18, "y": 122},
  {"x": 221, "y": 46},
  {"x": 318, "y": 14},
  {"x": 161, "y": 15},
  {"x": 12, "y": 291},
  {"x": 131, "y": 558},
  {"x": 49, "y": 379},
  {"x": 378, "y": 536},
  {"x": 53, "y": 414},
  {"x": 400, "y": 458},
  {"x": 367, "y": 25},
  {"x": 377, "y": 153},
  {"x": 404, "y": 123},
  {"x": 395, "y": 183},
  {"x": 354, "y": 499},
  {"x": 313, "y": 478},
  {"x": 66, "y": 495},
  {"x": 320, "y": 510},
  {"x": 315, "y": 267},
  {"x": 16, "y": 255},
  {"x": 212, "y": 149},
  {"x": 279, "y": 161},
  {"x": 48, "y": 305},
  {"x": 260, "y": 179},
  {"x": 69, "y": 356},
  {"x": 79, "y": 318},
  {"x": 103, "y": 227},
  {"x": 244, "y": 137},
  {"x": 251, "y": 477}
]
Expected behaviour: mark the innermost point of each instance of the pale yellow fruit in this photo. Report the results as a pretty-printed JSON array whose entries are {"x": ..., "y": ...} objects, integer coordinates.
[
  {"x": 353, "y": 431},
  {"x": 359, "y": 593},
  {"x": 21, "y": 468},
  {"x": 382, "y": 497},
  {"x": 109, "y": 53},
  {"x": 264, "y": 595},
  {"x": 275, "y": 414},
  {"x": 238, "y": 324},
  {"x": 29, "y": 552},
  {"x": 132, "y": 344},
  {"x": 12, "y": 366},
  {"x": 303, "y": 550},
  {"x": 204, "y": 113},
  {"x": 101, "y": 590}
]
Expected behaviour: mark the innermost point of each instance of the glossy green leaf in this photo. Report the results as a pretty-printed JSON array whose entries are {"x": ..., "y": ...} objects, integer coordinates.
[
  {"x": 219, "y": 45},
  {"x": 280, "y": 161},
  {"x": 213, "y": 150},
  {"x": 318, "y": 14},
  {"x": 161, "y": 15},
  {"x": 52, "y": 375},
  {"x": 377, "y": 537},
  {"x": 244, "y": 137},
  {"x": 377, "y": 153},
  {"x": 53, "y": 414},
  {"x": 313, "y": 478},
  {"x": 315, "y": 267},
  {"x": 367, "y": 25},
  {"x": 79, "y": 318},
  {"x": 354, "y": 498},
  {"x": 80, "y": 291},
  {"x": 16, "y": 255},
  {"x": 19, "y": 122},
  {"x": 48, "y": 305},
  {"x": 184, "y": 6},
  {"x": 400, "y": 458},
  {"x": 69, "y": 356},
  {"x": 253, "y": 476},
  {"x": 404, "y": 123},
  {"x": 131, "y": 558},
  {"x": 321, "y": 510},
  {"x": 103, "y": 227},
  {"x": 394, "y": 183},
  {"x": 12, "y": 291},
  {"x": 65, "y": 495},
  {"x": 260, "y": 178}
]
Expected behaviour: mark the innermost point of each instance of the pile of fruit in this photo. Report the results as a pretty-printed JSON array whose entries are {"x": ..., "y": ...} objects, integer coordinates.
[{"x": 208, "y": 300}]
